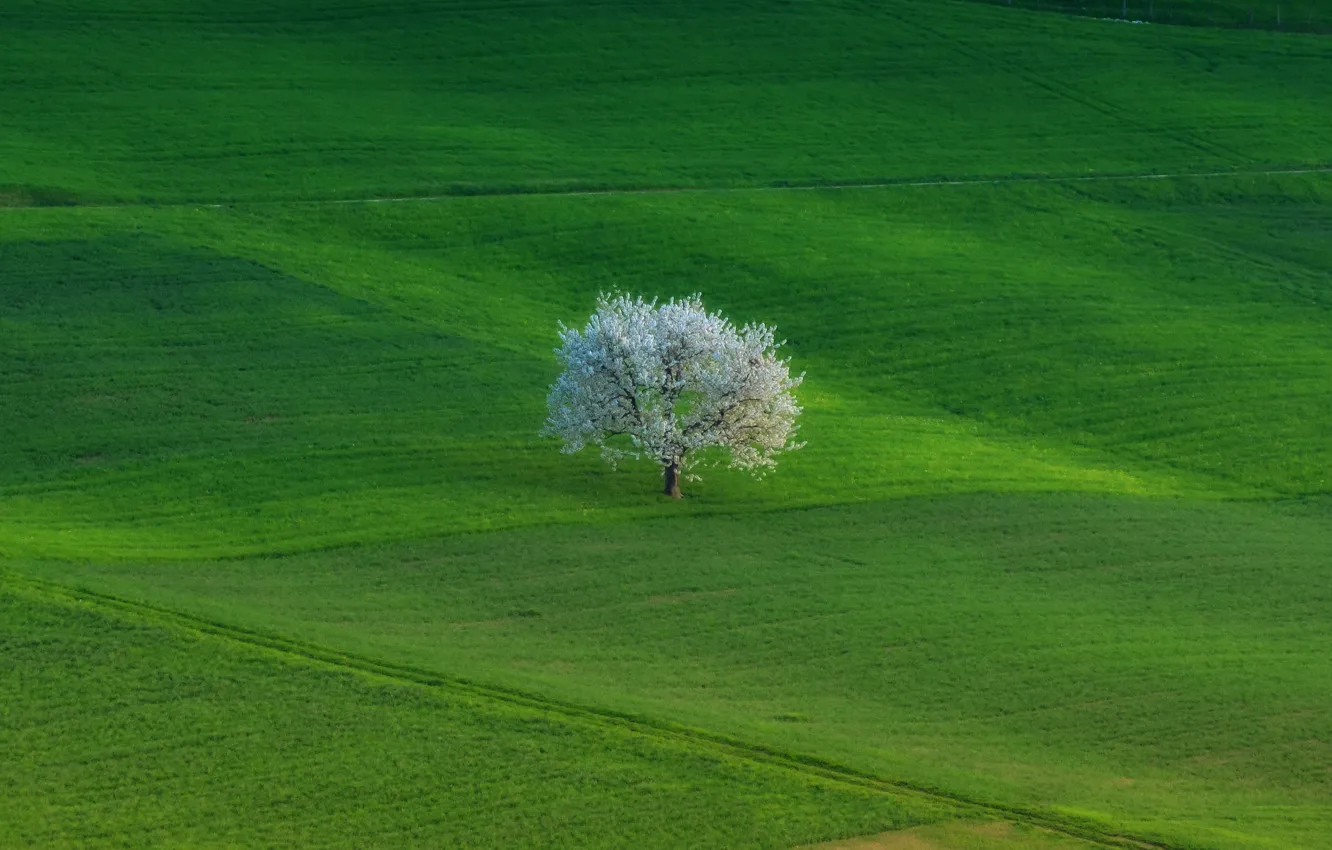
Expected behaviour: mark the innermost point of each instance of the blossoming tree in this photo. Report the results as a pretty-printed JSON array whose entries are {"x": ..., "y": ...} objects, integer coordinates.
[{"x": 664, "y": 381}]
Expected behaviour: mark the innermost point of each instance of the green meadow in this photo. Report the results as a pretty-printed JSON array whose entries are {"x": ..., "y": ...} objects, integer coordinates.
[{"x": 284, "y": 561}]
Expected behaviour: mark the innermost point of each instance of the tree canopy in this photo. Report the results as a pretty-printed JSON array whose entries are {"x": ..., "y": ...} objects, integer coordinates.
[{"x": 664, "y": 381}]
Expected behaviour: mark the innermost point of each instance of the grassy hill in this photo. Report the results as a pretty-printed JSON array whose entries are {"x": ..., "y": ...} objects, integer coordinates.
[
  {"x": 1057, "y": 552},
  {"x": 130, "y": 731},
  {"x": 165, "y": 101},
  {"x": 1153, "y": 665}
]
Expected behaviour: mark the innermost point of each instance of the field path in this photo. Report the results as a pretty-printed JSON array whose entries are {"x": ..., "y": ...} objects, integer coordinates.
[{"x": 556, "y": 191}]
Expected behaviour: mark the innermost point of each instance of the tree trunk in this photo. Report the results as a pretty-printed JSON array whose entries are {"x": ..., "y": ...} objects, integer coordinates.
[{"x": 671, "y": 474}]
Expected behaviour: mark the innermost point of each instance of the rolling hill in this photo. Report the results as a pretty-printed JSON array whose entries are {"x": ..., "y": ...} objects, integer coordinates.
[{"x": 283, "y": 561}]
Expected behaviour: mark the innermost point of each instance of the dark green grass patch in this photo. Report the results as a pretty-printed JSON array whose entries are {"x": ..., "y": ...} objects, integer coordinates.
[
  {"x": 265, "y": 100},
  {"x": 32, "y": 196},
  {"x": 121, "y": 733},
  {"x": 1156, "y": 665}
]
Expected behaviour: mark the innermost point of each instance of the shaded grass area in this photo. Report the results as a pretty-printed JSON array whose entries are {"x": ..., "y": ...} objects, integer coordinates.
[
  {"x": 34, "y": 196},
  {"x": 250, "y": 100},
  {"x": 1156, "y": 666},
  {"x": 122, "y": 732}
]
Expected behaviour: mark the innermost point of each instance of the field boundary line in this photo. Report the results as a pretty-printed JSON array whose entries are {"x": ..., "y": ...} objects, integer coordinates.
[
  {"x": 808, "y": 765},
  {"x": 815, "y": 187},
  {"x": 774, "y": 186}
]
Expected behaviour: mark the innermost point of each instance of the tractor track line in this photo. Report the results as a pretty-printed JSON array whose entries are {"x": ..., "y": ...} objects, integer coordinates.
[
  {"x": 807, "y": 765},
  {"x": 776, "y": 186}
]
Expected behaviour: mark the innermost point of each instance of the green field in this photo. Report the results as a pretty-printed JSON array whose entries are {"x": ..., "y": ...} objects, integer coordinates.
[{"x": 283, "y": 561}]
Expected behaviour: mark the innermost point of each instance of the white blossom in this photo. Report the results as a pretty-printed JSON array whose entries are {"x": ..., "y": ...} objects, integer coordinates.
[{"x": 669, "y": 380}]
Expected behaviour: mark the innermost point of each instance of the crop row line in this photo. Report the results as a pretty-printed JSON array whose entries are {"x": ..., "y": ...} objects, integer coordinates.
[
  {"x": 807, "y": 765},
  {"x": 815, "y": 187},
  {"x": 466, "y": 191}
]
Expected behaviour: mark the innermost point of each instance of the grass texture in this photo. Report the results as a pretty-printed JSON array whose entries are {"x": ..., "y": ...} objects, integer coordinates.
[
  {"x": 1156, "y": 665},
  {"x": 163, "y": 101},
  {"x": 129, "y": 733},
  {"x": 378, "y": 372},
  {"x": 1058, "y": 545}
]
